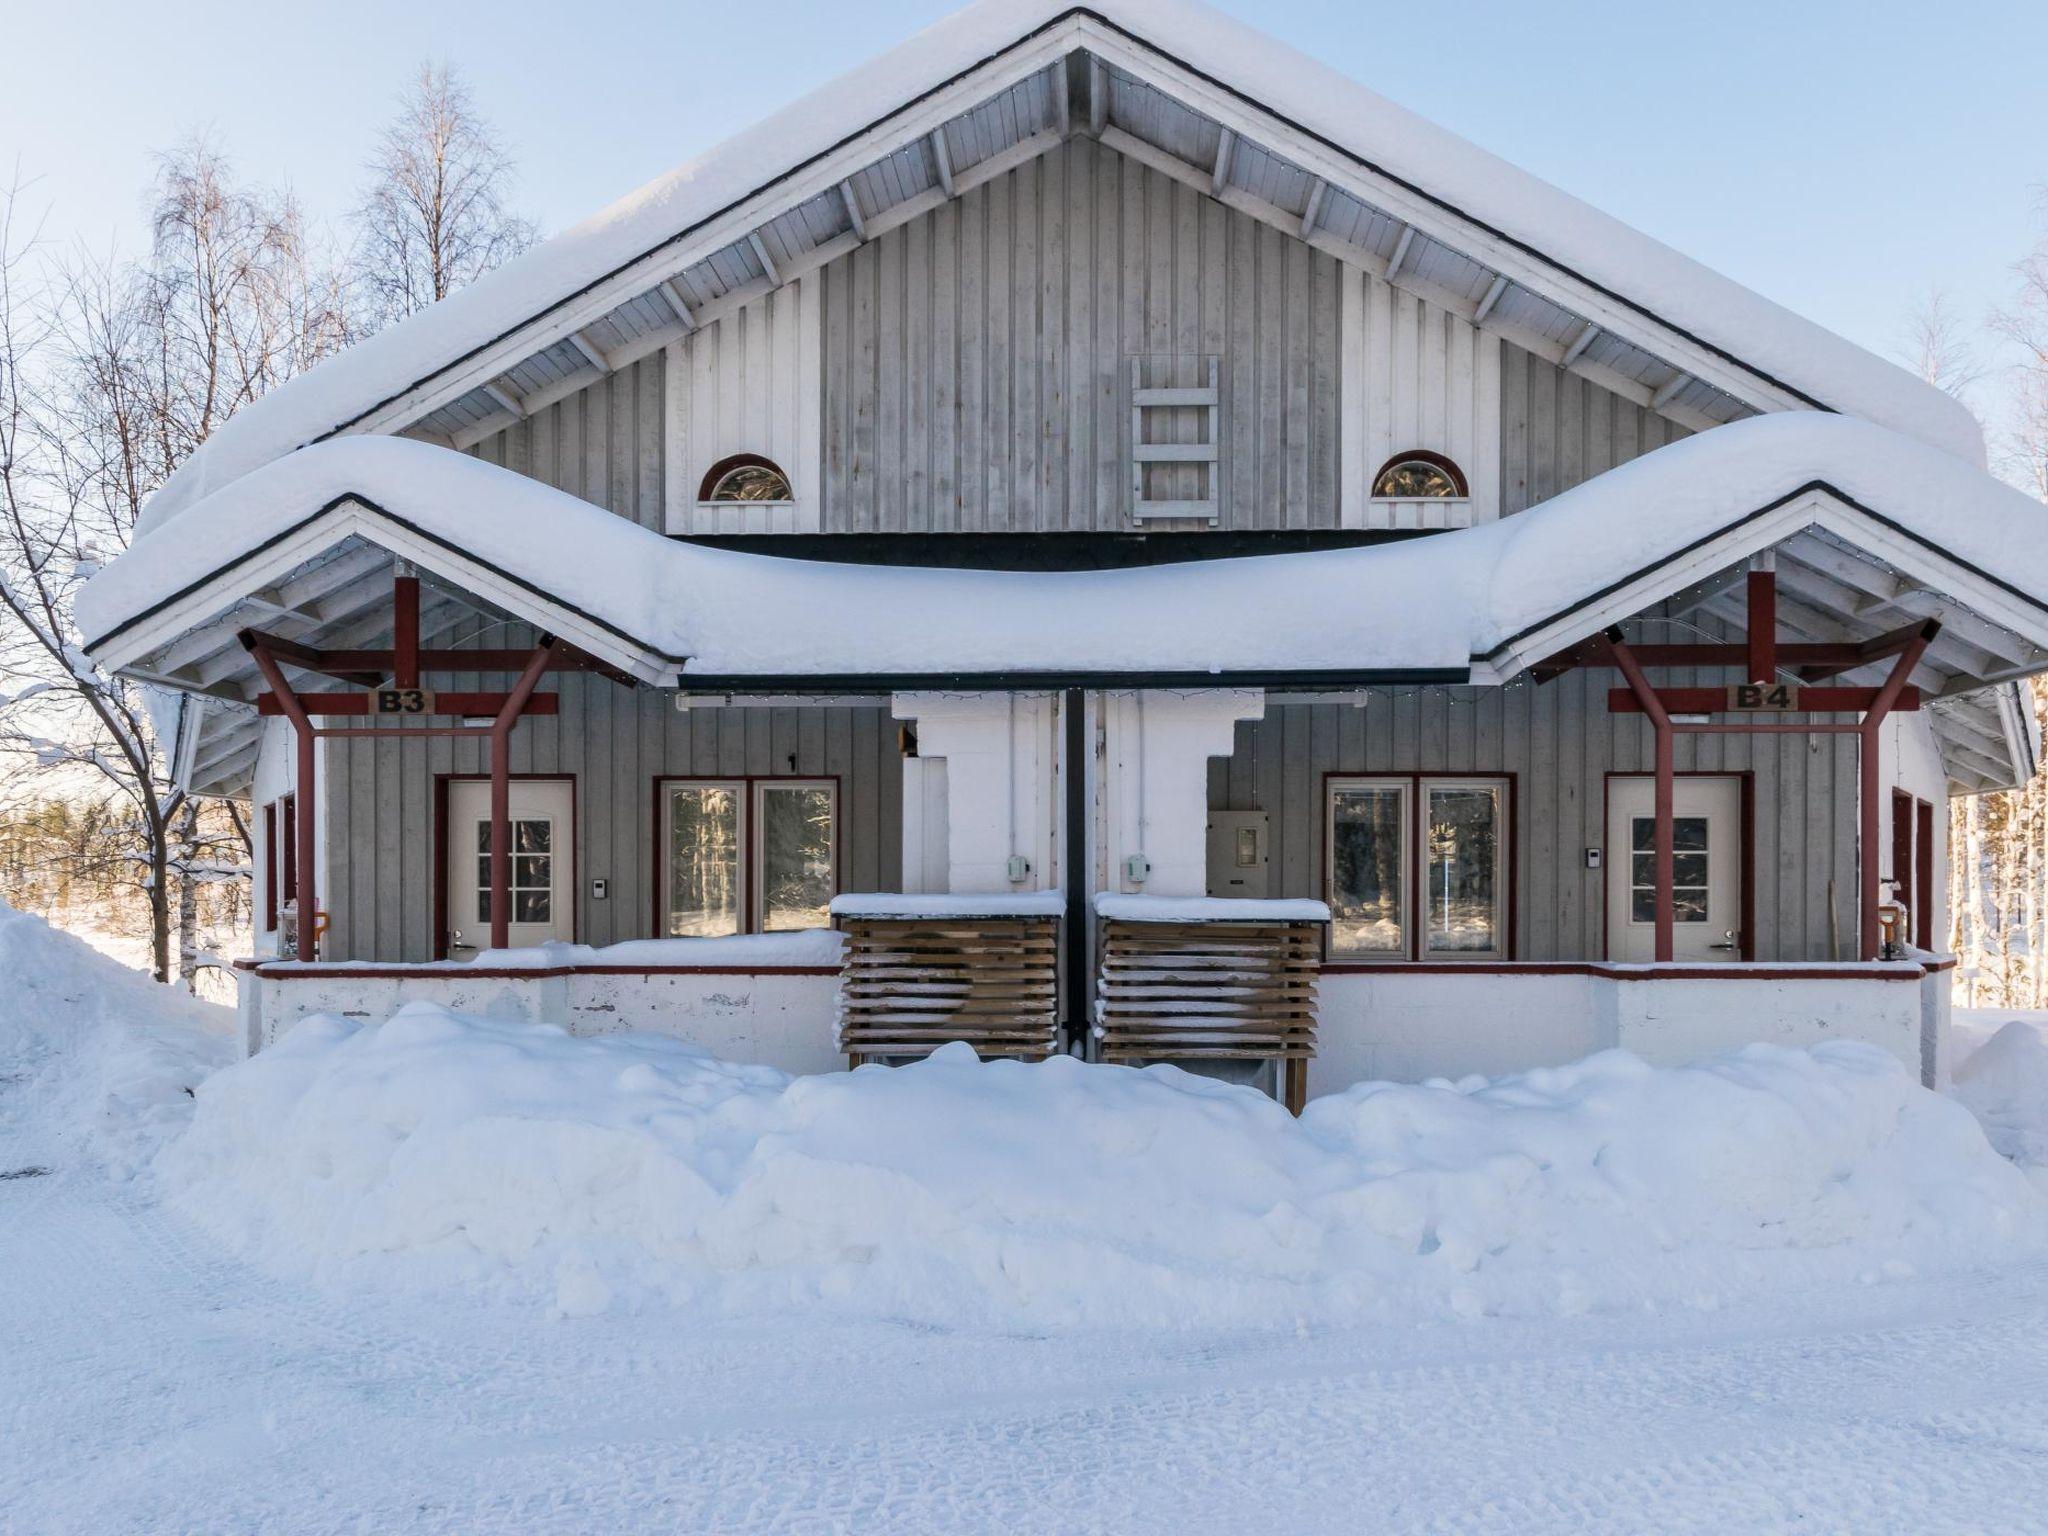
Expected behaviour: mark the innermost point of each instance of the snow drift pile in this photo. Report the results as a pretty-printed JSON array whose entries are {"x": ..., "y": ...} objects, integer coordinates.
[
  {"x": 96, "y": 1060},
  {"x": 434, "y": 1149},
  {"x": 2004, "y": 1082}
]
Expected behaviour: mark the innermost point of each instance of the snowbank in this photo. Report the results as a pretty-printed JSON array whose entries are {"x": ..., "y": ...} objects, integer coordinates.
[
  {"x": 2004, "y": 1083},
  {"x": 1430, "y": 604},
  {"x": 96, "y": 1060},
  {"x": 434, "y": 1149},
  {"x": 1498, "y": 196}
]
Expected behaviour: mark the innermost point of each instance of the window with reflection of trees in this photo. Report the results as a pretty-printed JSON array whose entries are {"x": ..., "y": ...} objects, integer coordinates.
[
  {"x": 745, "y": 477},
  {"x": 1417, "y": 867},
  {"x": 1419, "y": 476},
  {"x": 748, "y": 857}
]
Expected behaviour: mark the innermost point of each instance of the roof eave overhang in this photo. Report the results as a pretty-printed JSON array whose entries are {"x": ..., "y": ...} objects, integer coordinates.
[
  {"x": 1817, "y": 504},
  {"x": 210, "y": 598},
  {"x": 1082, "y": 30}
]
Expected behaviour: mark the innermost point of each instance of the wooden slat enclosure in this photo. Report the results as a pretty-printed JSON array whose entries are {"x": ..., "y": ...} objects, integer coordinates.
[
  {"x": 910, "y": 985},
  {"x": 1209, "y": 991}
]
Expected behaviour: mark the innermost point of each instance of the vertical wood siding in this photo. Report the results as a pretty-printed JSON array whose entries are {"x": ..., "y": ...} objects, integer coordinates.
[
  {"x": 604, "y": 443},
  {"x": 1415, "y": 376},
  {"x": 614, "y": 742},
  {"x": 977, "y": 358},
  {"x": 747, "y": 383},
  {"x": 1559, "y": 429},
  {"x": 1560, "y": 743}
]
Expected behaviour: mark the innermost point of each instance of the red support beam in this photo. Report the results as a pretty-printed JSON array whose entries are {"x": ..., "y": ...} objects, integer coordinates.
[
  {"x": 307, "y": 942},
  {"x": 1666, "y": 790},
  {"x": 1867, "y": 753},
  {"x": 514, "y": 705},
  {"x": 468, "y": 705},
  {"x": 1714, "y": 701},
  {"x": 405, "y": 632},
  {"x": 1762, "y": 637}
]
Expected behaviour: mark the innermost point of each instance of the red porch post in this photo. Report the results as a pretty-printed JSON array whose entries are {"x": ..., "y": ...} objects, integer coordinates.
[
  {"x": 405, "y": 632},
  {"x": 501, "y": 791},
  {"x": 1871, "y": 936},
  {"x": 307, "y": 944},
  {"x": 1666, "y": 790},
  {"x": 1761, "y": 641}
]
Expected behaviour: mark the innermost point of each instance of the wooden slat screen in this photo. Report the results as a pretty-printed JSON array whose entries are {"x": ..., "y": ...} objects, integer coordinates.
[
  {"x": 908, "y": 986},
  {"x": 1242, "y": 990}
]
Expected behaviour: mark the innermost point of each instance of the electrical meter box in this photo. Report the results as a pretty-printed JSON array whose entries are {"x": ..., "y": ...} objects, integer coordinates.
[{"x": 1239, "y": 846}]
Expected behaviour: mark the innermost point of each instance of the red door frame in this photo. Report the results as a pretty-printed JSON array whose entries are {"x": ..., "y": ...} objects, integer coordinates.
[
  {"x": 440, "y": 839},
  {"x": 1923, "y": 875},
  {"x": 1746, "y": 899},
  {"x": 270, "y": 866}
]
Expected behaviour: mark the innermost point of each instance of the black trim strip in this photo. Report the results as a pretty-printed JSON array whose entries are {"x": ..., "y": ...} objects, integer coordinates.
[
  {"x": 1268, "y": 110},
  {"x": 1057, "y": 681}
]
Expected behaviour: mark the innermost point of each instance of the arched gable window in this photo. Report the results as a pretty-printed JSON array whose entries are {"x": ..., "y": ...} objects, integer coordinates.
[
  {"x": 1419, "y": 475},
  {"x": 745, "y": 477}
]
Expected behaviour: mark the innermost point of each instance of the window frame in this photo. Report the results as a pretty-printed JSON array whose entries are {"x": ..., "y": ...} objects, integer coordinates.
[
  {"x": 271, "y": 866},
  {"x": 735, "y": 461},
  {"x": 1503, "y": 874},
  {"x": 1333, "y": 786},
  {"x": 752, "y": 847},
  {"x": 1427, "y": 456},
  {"x": 1415, "y": 786}
]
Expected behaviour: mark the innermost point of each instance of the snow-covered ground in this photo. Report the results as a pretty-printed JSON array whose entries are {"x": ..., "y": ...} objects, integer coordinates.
[{"x": 1853, "y": 1345}]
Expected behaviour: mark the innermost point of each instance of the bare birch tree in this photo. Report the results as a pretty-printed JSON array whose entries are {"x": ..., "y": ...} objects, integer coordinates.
[
  {"x": 435, "y": 215},
  {"x": 110, "y": 375}
]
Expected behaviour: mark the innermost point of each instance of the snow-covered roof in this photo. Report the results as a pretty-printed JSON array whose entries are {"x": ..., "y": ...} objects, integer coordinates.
[
  {"x": 1494, "y": 597},
  {"x": 1508, "y": 217}
]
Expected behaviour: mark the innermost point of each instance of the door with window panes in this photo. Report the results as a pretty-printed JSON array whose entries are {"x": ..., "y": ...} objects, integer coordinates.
[
  {"x": 747, "y": 855},
  {"x": 1706, "y": 867},
  {"x": 543, "y": 864}
]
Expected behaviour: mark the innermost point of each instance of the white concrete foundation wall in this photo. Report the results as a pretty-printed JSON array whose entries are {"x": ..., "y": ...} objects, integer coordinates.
[
  {"x": 779, "y": 1019},
  {"x": 1407, "y": 1026}
]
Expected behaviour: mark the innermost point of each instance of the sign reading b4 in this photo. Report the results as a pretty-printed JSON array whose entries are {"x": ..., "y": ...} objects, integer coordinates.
[{"x": 1763, "y": 698}]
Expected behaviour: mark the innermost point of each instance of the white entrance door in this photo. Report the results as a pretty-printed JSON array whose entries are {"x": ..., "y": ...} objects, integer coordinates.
[
  {"x": 543, "y": 864},
  {"x": 1706, "y": 883}
]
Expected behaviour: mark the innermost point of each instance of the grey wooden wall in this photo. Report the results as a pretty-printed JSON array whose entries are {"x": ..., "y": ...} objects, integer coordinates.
[
  {"x": 604, "y": 443},
  {"x": 614, "y": 742},
  {"x": 975, "y": 359},
  {"x": 1560, "y": 743},
  {"x": 1559, "y": 429}
]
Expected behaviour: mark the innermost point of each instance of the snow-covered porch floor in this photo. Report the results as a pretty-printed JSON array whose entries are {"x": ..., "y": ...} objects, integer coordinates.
[{"x": 151, "y": 1384}]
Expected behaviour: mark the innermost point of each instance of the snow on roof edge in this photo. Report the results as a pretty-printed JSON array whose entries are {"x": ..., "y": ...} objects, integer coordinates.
[
  {"x": 1480, "y": 185},
  {"x": 1430, "y": 604}
]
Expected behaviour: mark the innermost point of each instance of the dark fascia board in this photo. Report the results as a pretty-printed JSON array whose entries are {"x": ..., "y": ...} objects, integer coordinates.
[
  {"x": 1525, "y": 247},
  {"x": 1047, "y": 682},
  {"x": 1083, "y": 550}
]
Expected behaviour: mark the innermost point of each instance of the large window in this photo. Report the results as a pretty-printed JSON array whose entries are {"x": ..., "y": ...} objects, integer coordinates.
[
  {"x": 747, "y": 855},
  {"x": 1417, "y": 867}
]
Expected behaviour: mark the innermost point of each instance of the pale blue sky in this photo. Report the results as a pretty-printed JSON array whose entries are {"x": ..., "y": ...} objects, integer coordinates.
[{"x": 1837, "y": 156}]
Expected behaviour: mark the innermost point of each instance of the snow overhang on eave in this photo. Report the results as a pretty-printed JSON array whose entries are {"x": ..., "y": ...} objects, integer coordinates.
[
  {"x": 1198, "y": 97},
  {"x": 326, "y": 580}
]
